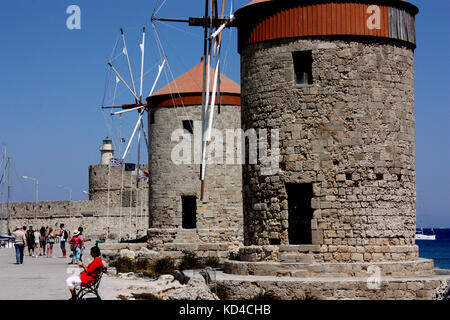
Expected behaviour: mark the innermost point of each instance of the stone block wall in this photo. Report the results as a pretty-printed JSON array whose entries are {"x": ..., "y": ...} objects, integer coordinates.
[
  {"x": 92, "y": 216},
  {"x": 124, "y": 189},
  {"x": 430, "y": 288},
  {"x": 350, "y": 134},
  {"x": 127, "y": 213},
  {"x": 221, "y": 210}
]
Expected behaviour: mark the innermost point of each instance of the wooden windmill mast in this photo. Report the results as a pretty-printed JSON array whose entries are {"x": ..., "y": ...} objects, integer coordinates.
[{"x": 213, "y": 27}]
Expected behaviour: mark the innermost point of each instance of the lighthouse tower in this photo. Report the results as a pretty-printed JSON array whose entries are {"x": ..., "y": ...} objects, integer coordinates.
[{"x": 107, "y": 151}]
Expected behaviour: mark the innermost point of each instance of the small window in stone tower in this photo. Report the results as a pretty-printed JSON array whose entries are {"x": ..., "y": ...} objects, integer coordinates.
[
  {"x": 300, "y": 213},
  {"x": 303, "y": 67},
  {"x": 189, "y": 126},
  {"x": 152, "y": 117},
  {"x": 189, "y": 214}
]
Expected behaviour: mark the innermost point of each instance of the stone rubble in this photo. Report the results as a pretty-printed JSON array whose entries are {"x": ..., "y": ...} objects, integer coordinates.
[
  {"x": 166, "y": 287},
  {"x": 196, "y": 289}
]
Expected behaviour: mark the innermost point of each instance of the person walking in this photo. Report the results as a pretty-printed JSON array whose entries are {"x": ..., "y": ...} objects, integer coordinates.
[
  {"x": 37, "y": 241},
  {"x": 30, "y": 241},
  {"x": 76, "y": 245},
  {"x": 43, "y": 238},
  {"x": 63, "y": 236},
  {"x": 50, "y": 241},
  {"x": 83, "y": 240},
  {"x": 20, "y": 240},
  {"x": 24, "y": 230}
]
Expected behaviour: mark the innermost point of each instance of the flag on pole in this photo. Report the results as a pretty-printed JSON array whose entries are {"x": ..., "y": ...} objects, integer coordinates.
[
  {"x": 115, "y": 162},
  {"x": 143, "y": 174}
]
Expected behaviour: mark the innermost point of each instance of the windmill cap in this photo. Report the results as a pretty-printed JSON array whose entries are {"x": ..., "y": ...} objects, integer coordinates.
[{"x": 188, "y": 89}]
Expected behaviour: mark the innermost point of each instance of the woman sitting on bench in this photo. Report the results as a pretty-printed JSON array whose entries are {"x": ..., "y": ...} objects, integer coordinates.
[{"x": 89, "y": 275}]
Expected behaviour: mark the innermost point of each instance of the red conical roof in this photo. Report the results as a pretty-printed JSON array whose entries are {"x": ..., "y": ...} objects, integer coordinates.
[
  {"x": 255, "y": 2},
  {"x": 187, "y": 90}
]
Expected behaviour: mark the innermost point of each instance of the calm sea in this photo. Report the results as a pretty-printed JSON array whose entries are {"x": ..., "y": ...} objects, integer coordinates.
[{"x": 438, "y": 250}]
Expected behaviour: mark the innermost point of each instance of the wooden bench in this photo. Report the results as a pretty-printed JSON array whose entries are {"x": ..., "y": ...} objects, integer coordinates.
[{"x": 91, "y": 288}]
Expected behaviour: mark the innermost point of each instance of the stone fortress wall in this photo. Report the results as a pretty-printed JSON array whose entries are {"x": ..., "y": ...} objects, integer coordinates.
[
  {"x": 118, "y": 182},
  {"x": 92, "y": 215}
]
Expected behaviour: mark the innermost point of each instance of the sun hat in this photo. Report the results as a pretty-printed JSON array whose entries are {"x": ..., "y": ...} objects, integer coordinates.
[{"x": 76, "y": 232}]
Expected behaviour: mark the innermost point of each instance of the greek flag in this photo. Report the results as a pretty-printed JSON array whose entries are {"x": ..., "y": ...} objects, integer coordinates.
[
  {"x": 143, "y": 174},
  {"x": 115, "y": 162}
]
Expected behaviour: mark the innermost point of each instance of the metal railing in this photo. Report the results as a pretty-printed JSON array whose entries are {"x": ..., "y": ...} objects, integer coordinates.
[{"x": 6, "y": 242}]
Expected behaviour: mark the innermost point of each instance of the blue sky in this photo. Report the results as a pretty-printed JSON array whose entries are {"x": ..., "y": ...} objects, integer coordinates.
[{"x": 52, "y": 83}]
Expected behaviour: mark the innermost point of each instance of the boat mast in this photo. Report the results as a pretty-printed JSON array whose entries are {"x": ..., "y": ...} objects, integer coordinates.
[
  {"x": 2, "y": 186},
  {"x": 142, "y": 47},
  {"x": 9, "y": 196}
]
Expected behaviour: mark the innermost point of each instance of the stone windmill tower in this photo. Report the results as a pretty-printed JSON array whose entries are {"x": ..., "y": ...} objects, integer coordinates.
[
  {"x": 336, "y": 78},
  {"x": 179, "y": 219}
]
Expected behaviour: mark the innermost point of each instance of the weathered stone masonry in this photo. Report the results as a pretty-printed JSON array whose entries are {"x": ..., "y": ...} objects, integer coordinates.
[
  {"x": 218, "y": 225},
  {"x": 91, "y": 215},
  {"x": 219, "y": 216},
  {"x": 347, "y": 133},
  {"x": 350, "y": 134},
  {"x": 118, "y": 182},
  {"x": 124, "y": 217}
]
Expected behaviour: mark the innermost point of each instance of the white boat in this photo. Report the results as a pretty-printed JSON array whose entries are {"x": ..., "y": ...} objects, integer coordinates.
[{"x": 421, "y": 236}]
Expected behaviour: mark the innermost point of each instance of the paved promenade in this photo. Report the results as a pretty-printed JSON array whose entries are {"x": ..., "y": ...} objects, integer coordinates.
[{"x": 38, "y": 278}]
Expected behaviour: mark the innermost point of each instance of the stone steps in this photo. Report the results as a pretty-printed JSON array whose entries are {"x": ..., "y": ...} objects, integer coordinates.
[
  {"x": 191, "y": 246},
  {"x": 184, "y": 240},
  {"x": 174, "y": 246},
  {"x": 295, "y": 257},
  {"x": 297, "y": 253},
  {"x": 302, "y": 248},
  {"x": 415, "y": 268},
  {"x": 331, "y": 288}
]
